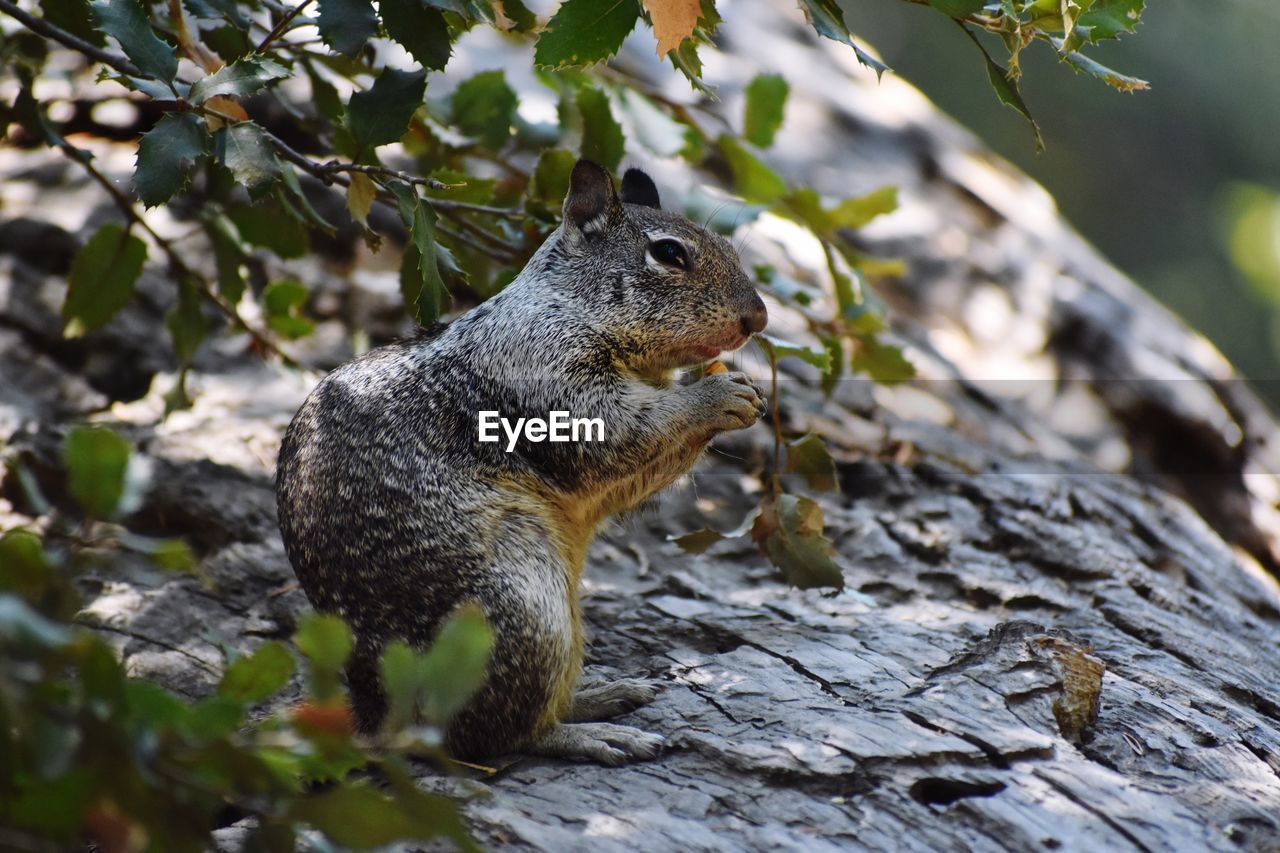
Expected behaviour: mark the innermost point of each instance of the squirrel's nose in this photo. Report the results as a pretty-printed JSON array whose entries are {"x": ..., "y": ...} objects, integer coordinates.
[{"x": 756, "y": 317}]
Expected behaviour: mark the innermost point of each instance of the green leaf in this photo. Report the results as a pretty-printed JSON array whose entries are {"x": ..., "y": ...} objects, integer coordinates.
[
  {"x": 97, "y": 460},
  {"x": 805, "y": 206},
  {"x": 420, "y": 29},
  {"x": 835, "y": 349},
  {"x": 1109, "y": 19},
  {"x": 186, "y": 322},
  {"x": 22, "y": 628},
  {"x": 346, "y": 25},
  {"x": 602, "y": 140},
  {"x": 245, "y": 76},
  {"x": 326, "y": 642},
  {"x": 697, "y": 541},
  {"x": 777, "y": 348},
  {"x": 214, "y": 10},
  {"x": 74, "y": 16},
  {"x": 809, "y": 456},
  {"x": 23, "y": 565},
  {"x": 102, "y": 278},
  {"x": 583, "y": 32},
  {"x": 484, "y": 107},
  {"x": 172, "y": 555},
  {"x": 752, "y": 179},
  {"x": 1115, "y": 79},
  {"x": 958, "y": 8},
  {"x": 358, "y": 817},
  {"x": 857, "y": 212},
  {"x": 792, "y": 531},
  {"x": 250, "y": 157},
  {"x": 101, "y": 678},
  {"x": 685, "y": 59},
  {"x": 214, "y": 718},
  {"x": 152, "y": 706},
  {"x": 1009, "y": 95},
  {"x": 258, "y": 676},
  {"x": 126, "y": 21},
  {"x": 551, "y": 177},
  {"x": 424, "y": 294},
  {"x": 520, "y": 15},
  {"x": 401, "y": 670},
  {"x": 827, "y": 19},
  {"x": 166, "y": 155},
  {"x": 436, "y": 685},
  {"x": 298, "y": 200},
  {"x": 766, "y": 100},
  {"x": 265, "y": 224},
  {"x": 883, "y": 362},
  {"x": 324, "y": 95},
  {"x": 380, "y": 115},
  {"x": 283, "y": 300},
  {"x": 455, "y": 666}
]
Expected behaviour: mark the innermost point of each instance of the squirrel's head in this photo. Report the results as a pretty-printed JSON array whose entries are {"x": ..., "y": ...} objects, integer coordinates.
[{"x": 671, "y": 293}]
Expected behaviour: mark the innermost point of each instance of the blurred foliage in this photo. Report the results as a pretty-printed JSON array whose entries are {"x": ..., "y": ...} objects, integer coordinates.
[
  {"x": 1172, "y": 186},
  {"x": 89, "y": 754}
]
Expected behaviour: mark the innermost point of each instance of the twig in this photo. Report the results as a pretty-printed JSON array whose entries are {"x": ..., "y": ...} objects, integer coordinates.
[
  {"x": 378, "y": 171},
  {"x": 176, "y": 263},
  {"x": 492, "y": 239},
  {"x": 48, "y": 30},
  {"x": 333, "y": 173},
  {"x": 474, "y": 244},
  {"x": 682, "y": 111},
  {"x": 279, "y": 29},
  {"x": 986, "y": 22}
]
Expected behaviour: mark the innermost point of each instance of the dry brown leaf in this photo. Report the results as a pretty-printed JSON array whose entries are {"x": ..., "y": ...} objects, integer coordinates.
[
  {"x": 224, "y": 106},
  {"x": 500, "y": 19},
  {"x": 1076, "y": 710},
  {"x": 673, "y": 21}
]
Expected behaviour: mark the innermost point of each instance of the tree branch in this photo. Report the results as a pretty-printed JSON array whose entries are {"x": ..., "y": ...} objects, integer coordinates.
[
  {"x": 175, "y": 260},
  {"x": 279, "y": 29},
  {"x": 381, "y": 172},
  {"x": 332, "y": 173},
  {"x": 42, "y": 27}
]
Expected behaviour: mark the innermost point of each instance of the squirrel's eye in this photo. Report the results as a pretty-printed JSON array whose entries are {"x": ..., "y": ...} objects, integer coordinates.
[{"x": 669, "y": 253}]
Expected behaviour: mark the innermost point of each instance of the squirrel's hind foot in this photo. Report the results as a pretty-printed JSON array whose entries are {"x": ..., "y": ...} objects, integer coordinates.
[
  {"x": 606, "y": 701},
  {"x": 606, "y": 743}
]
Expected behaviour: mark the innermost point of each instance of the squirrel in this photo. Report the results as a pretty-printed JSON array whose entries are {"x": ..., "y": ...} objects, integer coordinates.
[{"x": 394, "y": 513}]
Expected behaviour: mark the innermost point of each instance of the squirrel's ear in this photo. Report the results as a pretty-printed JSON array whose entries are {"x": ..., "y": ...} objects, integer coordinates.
[
  {"x": 592, "y": 200},
  {"x": 638, "y": 188}
]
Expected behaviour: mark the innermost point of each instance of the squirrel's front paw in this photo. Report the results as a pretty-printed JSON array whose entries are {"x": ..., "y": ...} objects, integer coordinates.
[{"x": 731, "y": 401}]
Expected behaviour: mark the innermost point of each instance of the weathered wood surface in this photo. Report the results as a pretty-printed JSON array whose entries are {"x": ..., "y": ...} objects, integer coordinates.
[{"x": 989, "y": 530}]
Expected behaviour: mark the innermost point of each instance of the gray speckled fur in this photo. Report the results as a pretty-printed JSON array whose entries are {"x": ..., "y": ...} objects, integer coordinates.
[{"x": 393, "y": 513}]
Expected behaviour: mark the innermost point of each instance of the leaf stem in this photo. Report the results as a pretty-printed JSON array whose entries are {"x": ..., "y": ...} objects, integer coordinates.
[
  {"x": 279, "y": 29},
  {"x": 332, "y": 172},
  {"x": 176, "y": 263},
  {"x": 492, "y": 239},
  {"x": 334, "y": 166},
  {"x": 42, "y": 27}
]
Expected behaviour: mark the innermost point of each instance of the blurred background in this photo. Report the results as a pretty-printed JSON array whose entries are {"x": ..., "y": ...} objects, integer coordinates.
[{"x": 1178, "y": 185}]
